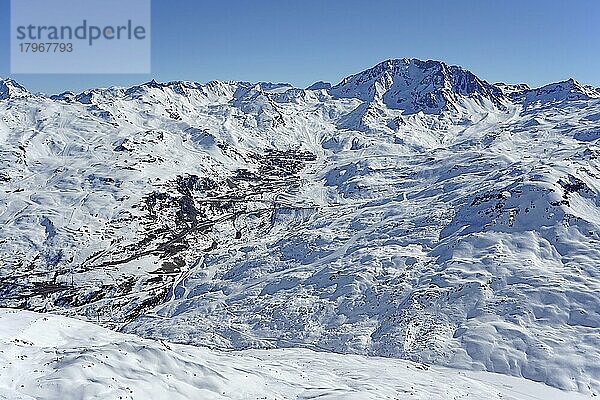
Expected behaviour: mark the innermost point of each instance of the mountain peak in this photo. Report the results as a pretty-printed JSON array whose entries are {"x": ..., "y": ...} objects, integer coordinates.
[
  {"x": 319, "y": 86},
  {"x": 568, "y": 90},
  {"x": 414, "y": 85},
  {"x": 12, "y": 89}
]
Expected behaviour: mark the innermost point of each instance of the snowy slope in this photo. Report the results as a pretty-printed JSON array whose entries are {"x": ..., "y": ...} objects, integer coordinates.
[
  {"x": 11, "y": 89},
  {"x": 50, "y": 357},
  {"x": 562, "y": 91},
  {"x": 412, "y": 211}
]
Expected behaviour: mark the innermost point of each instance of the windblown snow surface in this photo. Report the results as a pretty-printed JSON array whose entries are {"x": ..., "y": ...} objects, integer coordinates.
[
  {"x": 413, "y": 211},
  {"x": 50, "y": 357}
]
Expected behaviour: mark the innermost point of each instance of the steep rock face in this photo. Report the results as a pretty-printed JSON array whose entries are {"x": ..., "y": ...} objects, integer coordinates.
[
  {"x": 512, "y": 90},
  {"x": 413, "y": 85}
]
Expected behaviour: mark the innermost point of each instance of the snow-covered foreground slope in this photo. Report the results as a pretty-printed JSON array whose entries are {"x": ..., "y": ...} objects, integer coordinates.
[
  {"x": 52, "y": 357},
  {"x": 412, "y": 211}
]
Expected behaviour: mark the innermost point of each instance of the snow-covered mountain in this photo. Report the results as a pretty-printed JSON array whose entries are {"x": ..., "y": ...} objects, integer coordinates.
[
  {"x": 569, "y": 90},
  {"x": 411, "y": 211},
  {"x": 413, "y": 85},
  {"x": 11, "y": 89}
]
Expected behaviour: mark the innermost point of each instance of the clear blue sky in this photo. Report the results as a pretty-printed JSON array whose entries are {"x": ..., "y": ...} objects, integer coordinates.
[{"x": 533, "y": 41}]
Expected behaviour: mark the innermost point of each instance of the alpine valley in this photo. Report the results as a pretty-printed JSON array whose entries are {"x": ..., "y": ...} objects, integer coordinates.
[{"x": 406, "y": 233}]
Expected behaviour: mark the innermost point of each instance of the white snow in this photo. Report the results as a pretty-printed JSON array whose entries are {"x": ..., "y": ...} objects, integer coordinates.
[
  {"x": 43, "y": 356},
  {"x": 442, "y": 219}
]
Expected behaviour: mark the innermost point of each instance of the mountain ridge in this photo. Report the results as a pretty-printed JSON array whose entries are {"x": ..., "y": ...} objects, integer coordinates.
[
  {"x": 440, "y": 84},
  {"x": 414, "y": 85}
]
